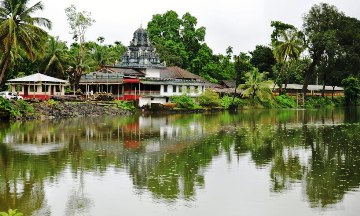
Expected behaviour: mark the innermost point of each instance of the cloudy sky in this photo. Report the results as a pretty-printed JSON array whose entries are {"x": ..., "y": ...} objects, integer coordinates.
[{"x": 242, "y": 24}]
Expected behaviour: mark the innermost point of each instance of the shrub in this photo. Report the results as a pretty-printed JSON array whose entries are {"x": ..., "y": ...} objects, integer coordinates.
[
  {"x": 183, "y": 101},
  {"x": 125, "y": 105},
  {"x": 209, "y": 98},
  {"x": 285, "y": 101},
  {"x": 319, "y": 102},
  {"x": 228, "y": 101},
  {"x": 11, "y": 212}
]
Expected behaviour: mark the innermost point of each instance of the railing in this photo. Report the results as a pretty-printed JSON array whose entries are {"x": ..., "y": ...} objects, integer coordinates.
[{"x": 142, "y": 93}]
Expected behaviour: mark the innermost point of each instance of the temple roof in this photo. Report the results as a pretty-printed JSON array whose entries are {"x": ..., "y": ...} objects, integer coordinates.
[{"x": 140, "y": 53}]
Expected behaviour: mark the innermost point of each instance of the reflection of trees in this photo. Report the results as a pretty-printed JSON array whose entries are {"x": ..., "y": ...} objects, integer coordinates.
[
  {"x": 168, "y": 155},
  {"x": 22, "y": 179}
]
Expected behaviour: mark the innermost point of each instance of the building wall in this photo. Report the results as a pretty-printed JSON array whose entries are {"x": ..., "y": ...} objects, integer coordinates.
[
  {"x": 148, "y": 101},
  {"x": 193, "y": 91}
]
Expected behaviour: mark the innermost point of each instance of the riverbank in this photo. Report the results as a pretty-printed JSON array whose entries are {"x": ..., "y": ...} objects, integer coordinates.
[
  {"x": 51, "y": 109},
  {"x": 44, "y": 110}
]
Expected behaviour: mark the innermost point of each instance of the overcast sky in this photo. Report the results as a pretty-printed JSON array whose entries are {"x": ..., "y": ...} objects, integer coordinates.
[{"x": 242, "y": 24}]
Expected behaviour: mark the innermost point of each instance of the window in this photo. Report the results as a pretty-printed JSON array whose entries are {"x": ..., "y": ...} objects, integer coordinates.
[
  {"x": 180, "y": 89},
  {"x": 174, "y": 88},
  {"x": 187, "y": 89},
  {"x": 57, "y": 88},
  {"x": 45, "y": 88},
  {"x": 196, "y": 89},
  {"x": 167, "y": 100},
  {"x": 165, "y": 88},
  {"x": 33, "y": 88}
]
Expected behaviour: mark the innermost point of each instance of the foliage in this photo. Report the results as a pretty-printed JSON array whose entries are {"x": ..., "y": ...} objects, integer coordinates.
[
  {"x": 263, "y": 59},
  {"x": 242, "y": 66},
  {"x": 319, "y": 102},
  {"x": 184, "y": 101},
  {"x": 287, "y": 46},
  {"x": 176, "y": 36},
  {"x": 209, "y": 98},
  {"x": 56, "y": 58},
  {"x": 51, "y": 103},
  {"x": 79, "y": 23},
  {"x": 320, "y": 27},
  {"x": 19, "y": 33},
  {"x": 11, "y": 212},
  {"x": 256, "y": 85},
  {"x": 227, "y": 101},
  {"x": 351, "y": 90},
  {"x": 285, "y": 101},
  {"x": 125, "y": 105},
  {"x": 17, "y": 109}
]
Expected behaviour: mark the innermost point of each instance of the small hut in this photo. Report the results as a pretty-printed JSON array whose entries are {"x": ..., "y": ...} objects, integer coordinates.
[{"x": 38, "y": 86}]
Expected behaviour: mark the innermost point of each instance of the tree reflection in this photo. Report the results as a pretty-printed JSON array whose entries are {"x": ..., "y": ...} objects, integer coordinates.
[{"x": 169, "y": 155}]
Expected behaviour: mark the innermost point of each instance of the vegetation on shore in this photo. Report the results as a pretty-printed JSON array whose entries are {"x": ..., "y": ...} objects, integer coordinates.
[{"x": 324, "y": 50}]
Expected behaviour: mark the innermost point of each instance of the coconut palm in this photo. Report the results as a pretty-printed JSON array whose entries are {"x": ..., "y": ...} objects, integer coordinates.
[
  {"x": 256, "y": 85},
  {"x": 19, "y": 30},
  {"x": 287, "y": 48},
  {"x": 55, "y": 57}
]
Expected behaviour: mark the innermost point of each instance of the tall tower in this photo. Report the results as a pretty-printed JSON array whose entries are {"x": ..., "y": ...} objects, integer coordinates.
[{"x": 140, "y": 53}]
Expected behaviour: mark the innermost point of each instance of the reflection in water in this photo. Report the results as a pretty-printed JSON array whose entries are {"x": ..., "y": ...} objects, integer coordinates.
[{"x": 169, "y": 155}]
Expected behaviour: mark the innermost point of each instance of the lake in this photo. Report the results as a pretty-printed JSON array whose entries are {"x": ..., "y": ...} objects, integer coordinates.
[{"x": 253, "y": 162}]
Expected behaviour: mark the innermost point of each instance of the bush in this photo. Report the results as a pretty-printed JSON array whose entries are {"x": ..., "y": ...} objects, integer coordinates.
[
  {"x": 125, "y": 105},
  {"x": 228, "y": 101},
  {"x": 319, "y": 102},
  {"x": 285, "y": 101},
  {"x": 183, "y": 101},
  {"x": 209, "y": 98},
  {"x": 11, "y": 212}
]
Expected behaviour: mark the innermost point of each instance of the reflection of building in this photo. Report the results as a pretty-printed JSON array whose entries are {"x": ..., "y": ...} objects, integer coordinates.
[
  {"x": 38, "y": 86},
  {"x": 142, "y": 77}
]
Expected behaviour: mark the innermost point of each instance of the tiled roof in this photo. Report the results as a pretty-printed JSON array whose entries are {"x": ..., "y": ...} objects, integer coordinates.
[
  {"x": 229, "y": 83},
  {"x": 178, "y": 73}
]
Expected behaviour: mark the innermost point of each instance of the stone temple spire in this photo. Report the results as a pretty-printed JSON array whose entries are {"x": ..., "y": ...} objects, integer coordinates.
[{"x": 140, "y": 53}]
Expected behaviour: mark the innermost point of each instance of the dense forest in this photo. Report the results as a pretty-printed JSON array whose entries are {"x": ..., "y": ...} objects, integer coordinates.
[{"x": 325, "y": 50}]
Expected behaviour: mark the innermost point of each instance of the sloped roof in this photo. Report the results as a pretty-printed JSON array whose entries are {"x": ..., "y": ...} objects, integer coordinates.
[
  {"x": 38, "y": 77},
  {"x": 178, "y": 73},
  {"x": 310, "y": 87},
  {"x": 229, "y": 83},
  {"x": 125, "y": 71}
]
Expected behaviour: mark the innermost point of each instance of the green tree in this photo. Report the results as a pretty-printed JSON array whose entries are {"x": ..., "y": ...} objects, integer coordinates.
[
  {"x": 287, "y": 49},
  {"x": 351, "y": 90},
  {"x": 177, "y": 40},
  {"x": 79, "y": 23},
  {"x": 320, "y": 26},
  {"x": 263, "y": 58},
  {"x": 256, "y": 85},
  {"x": 55, "y": 58},
  {"x": 19, "y": 30}
]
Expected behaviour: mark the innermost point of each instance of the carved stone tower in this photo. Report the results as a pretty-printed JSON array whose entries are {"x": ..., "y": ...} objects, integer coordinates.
[{"x": 140, "y": 53}]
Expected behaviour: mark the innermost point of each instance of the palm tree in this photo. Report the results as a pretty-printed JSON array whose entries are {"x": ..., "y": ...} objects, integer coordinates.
[
  {"x": 55, "y": 57},
  {"x": 18, "y": 30},
  {"x": 256, "y": 85},
  {"x": 287, "y": 48}
]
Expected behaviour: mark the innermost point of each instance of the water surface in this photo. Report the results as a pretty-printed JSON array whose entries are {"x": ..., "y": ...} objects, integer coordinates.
[{"x": 254, "y": 162}]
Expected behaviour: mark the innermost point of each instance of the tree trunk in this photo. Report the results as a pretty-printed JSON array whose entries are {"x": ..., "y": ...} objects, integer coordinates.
[
  {"x": 310, "y": 70},
  {"x": 332, "y": 93},
  {"x": 4, "y": 67}
]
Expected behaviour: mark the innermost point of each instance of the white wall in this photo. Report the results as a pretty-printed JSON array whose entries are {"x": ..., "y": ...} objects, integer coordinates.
[
  {"x": 148, "y": 101},
  {"x": 184, "y": 90}
]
